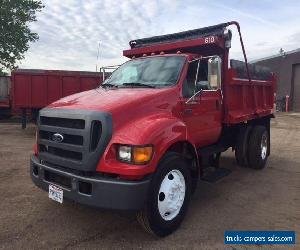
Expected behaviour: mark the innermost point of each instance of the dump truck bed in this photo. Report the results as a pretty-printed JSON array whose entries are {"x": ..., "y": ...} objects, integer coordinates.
[{"x": 246, "y": 99}]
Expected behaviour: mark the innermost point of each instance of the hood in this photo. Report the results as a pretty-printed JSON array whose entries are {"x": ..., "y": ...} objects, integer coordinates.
[{"x": 111, "y": 99}]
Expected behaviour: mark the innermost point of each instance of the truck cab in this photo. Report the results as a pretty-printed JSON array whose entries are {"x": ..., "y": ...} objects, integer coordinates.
[{"x": 143, "y": 138}]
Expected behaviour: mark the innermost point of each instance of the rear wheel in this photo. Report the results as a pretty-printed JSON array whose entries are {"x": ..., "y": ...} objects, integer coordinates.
[
  {"x": 241, "y": 150},
  {"x": 168, "y": 196},
  {"x": 258, "y": 147}
]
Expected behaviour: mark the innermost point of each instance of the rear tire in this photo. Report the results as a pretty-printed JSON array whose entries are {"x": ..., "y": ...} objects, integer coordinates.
[
  {"x": 258, "y": 147},
  {"x": 241, "y": 150},
  {"x": 168, "y": 196}
]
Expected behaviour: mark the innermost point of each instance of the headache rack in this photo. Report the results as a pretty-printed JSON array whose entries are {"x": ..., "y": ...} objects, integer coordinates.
[
  {"x": 203, "y": 40},
  {"x": 215, "y": 30}
]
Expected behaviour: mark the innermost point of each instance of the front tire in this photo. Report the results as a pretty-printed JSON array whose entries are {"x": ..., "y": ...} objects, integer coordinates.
[{"x": 168, "y": 196}]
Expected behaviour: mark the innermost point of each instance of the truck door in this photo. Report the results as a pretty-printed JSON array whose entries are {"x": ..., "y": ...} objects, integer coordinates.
[{"x": 202, "y": 103}]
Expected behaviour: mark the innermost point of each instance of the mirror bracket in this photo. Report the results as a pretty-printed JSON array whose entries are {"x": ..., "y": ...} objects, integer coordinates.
[{"x": 192, "y": 98}]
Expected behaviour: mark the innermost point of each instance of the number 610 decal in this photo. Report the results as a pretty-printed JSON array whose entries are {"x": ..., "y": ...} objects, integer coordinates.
[{"x": 210, "y": 39}]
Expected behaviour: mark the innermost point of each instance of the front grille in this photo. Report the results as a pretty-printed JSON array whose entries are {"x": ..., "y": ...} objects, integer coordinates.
[
  {"x": 83, "y": 137},
  {"x": 62, "y": 122},
  {"x": 68, "y": 139},
  {"x": 77, "y": 156},
  {"x": 57, "y": 179}
]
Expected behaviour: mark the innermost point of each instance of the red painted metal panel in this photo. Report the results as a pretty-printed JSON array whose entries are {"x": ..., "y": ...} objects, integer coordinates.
[
  {"x": 191, "y": 46},
  {"x": 22, "y": 91},
  {"x": 37, "y": 88},
  {"x": 38, "y": 91},
  {"x": 54, "y": 88},
  {"x": 71, "y": 85},
  {"x": 89, "y": 83},
  {"x": 245, "y": 100}
]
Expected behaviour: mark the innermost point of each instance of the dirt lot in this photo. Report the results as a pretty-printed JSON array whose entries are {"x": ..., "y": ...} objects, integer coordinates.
[{"x": 244, "y": 200}]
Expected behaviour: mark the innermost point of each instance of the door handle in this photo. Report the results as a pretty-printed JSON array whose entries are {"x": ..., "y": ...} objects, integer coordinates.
[{"x": 188, "y": 111}]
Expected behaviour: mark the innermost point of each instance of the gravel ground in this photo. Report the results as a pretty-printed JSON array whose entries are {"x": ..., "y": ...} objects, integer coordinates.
[{"x": 245, "y": 200}]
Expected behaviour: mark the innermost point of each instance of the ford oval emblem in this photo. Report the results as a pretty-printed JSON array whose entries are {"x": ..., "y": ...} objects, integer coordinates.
[{"x": 57, "y": 137}]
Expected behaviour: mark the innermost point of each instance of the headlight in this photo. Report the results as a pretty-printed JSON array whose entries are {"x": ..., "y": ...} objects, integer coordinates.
[
  {"x": 124, "y": 153},
  {"x": 135, "y": 154}
]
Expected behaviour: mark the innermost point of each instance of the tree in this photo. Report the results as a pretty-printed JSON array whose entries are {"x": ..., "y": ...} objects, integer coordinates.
[
  {"x": 15, "y": 34},
  {"x": 2, "y": 73}
]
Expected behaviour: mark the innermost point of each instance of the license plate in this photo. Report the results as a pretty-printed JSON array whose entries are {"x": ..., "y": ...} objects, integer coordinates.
[{"x": 56, "y": 193}]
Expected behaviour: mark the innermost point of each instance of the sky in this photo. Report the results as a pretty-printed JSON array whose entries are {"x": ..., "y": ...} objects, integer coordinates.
[{"x": 70, "y": 31}]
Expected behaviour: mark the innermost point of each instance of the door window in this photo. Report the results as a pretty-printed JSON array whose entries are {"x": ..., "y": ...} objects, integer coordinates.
[{"x": 195, "y": 82}]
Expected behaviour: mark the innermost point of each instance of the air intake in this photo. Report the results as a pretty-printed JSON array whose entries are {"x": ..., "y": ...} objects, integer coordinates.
[{"x": 96, "y": 131}]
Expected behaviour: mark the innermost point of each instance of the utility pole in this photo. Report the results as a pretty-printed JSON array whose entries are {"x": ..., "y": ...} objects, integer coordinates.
[{"x": 98, "y": 52}]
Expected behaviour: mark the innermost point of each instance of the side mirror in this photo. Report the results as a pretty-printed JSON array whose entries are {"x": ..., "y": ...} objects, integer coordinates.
[
  {"x": 202, "y": 85},
  {"x": 214, "y": 72}
]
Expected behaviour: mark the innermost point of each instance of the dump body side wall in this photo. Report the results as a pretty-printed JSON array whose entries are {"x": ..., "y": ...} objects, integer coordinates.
[
  {"x": 245, "y": 100},
  {"x": 37, "y": 89}
]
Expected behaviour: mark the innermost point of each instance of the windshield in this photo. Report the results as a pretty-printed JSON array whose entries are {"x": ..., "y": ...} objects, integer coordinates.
[{"x": 147, "y": 72}]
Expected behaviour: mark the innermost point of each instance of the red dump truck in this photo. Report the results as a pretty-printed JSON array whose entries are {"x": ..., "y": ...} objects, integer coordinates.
[{"x": 158, "y": 124}]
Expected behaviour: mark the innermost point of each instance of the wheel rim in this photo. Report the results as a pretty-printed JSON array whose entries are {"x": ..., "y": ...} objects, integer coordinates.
[
  {"x": 264, "y": 146},
  {"x": 171, "y": 195}
]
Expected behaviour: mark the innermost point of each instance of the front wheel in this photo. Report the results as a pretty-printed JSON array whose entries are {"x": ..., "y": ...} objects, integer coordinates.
[{"x": 168, "y": 196}]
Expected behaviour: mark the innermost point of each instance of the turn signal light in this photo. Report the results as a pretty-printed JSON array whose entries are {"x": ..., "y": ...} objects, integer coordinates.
[{"x": 142, "y": 155}]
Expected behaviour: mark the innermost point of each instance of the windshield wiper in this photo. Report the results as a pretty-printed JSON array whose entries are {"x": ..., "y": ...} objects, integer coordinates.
[
  {"x": 138, "y": 84},
  {"x": 109, "y": 85}
]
